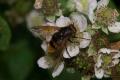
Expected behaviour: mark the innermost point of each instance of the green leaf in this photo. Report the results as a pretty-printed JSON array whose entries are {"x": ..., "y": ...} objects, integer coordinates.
[
  {"x": 5, "y": 34},
  {"x": 19, "y": 59}
]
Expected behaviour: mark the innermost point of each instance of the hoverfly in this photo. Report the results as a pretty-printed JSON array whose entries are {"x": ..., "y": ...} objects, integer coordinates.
[{"x": 58, "y": 42}]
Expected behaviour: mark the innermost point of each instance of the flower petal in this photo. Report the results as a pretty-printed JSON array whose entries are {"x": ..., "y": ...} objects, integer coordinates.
[
  {"x": 99, "y": 73},
  {"x": 86, "y": 41},
  {"x": 99, "y": 62},
  {"x": 92, "y": 4},
  {"x": 79, "y": 21},
  {"x": 44, "y": 46},
  {"x": 104, "y": 50},
  {"x": 78, "y": 5},
  {"x": 115, "y": 61},
  {"x": 102, "y": 3},
  {"x": 71, "y": 51},
  {"x": 116, "y": 56},
  {"x": 63, "y": 21},
  {"x": 91, "y": 8},
  {"x": 42, "y": 62},
  {"x": 57, "y": 71},
  {"x": 115, "y": 28}
]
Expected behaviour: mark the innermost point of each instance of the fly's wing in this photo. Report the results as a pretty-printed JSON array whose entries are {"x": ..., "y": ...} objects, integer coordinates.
[
  {"x": 54, "y": 59},
  {"x": 45, "y": 32},
  {"x": 55, "y": 55}
]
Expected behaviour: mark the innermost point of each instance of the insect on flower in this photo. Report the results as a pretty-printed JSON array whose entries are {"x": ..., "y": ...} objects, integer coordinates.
[
  {"x": 61, "y": 37},
  {"x": 61, "y": 40}
]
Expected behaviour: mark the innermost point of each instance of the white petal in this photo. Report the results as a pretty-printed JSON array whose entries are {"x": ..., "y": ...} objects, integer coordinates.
[
  {"x": 99, "y": 62},
  {"x": 115, "y": 62},
  {"x": 38, "y": 4},
  {"x": 57, "y": 71},
  {"x": 104, "y": 50},
  {"x": 86, "y": 41},
  {"x": 78, "y": 5},
  {"x": 42, "y": 62},
  {"x": 116, "y": 56},
  {"x": 63, "y": 21},
  {"x": 91, "y": 16},
  {"x": 92, "y": 6},
  {"x": 44, "y": 46},
  {"x": 115, "y": 28},
  {"x": 79, "y": 21},
  {"x": 99, "y": 73},
  {"x": 72, "y": 51},
  {"x": 102, "y": 3}
]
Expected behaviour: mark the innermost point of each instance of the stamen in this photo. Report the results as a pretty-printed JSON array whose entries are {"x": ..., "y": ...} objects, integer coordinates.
[{"x": 106, "y": 16}]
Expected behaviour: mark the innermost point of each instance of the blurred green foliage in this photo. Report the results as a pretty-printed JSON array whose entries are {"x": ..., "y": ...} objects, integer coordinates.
[{"x": 19, "y": 50}]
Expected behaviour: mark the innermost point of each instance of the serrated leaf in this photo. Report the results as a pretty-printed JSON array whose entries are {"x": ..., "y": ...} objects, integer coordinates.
[{"x": 5, "y": 34}]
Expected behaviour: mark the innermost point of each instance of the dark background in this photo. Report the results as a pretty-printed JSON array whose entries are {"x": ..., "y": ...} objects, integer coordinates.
[{"x": 19, "y": 49}]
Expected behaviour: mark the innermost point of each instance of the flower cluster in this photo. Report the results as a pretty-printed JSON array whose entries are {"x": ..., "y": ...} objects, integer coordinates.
[{"x": 93, "y": 21}]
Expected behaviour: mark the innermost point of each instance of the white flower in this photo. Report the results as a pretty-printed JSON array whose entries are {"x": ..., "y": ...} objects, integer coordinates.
[
  {"x": 63, "y": 21},
  {"x": 99, "y": 73},
  {"x": 83, "y": 6},
  {"x": 106, "y": 58},
  {"x": 115, "y": 28},
  {"x": 93, "y": 5},
  {"x": 105, "y": 17},
  {"x": 43, "y": 63},
  {"x": 87, "y": 7},
  {"x": 71, "y": 49},
  {"x": 86, "y": 40},
  {"x": 104, "y": 50},
  {"x": 79, "y": 21}
]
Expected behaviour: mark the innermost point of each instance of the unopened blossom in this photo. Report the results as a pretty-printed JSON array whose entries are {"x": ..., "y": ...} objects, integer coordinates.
[
  {"x": 38, "y": 4},
  {"x": 106, "y": 59}
]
